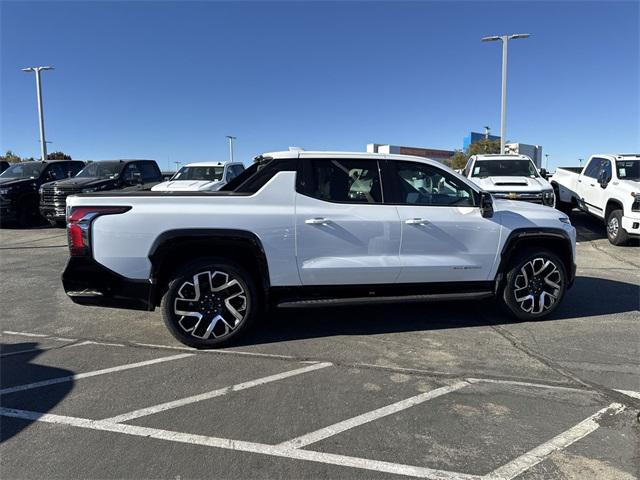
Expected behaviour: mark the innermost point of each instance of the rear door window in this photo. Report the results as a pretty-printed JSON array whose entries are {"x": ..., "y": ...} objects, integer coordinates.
[{"x": 343, "y": 180}]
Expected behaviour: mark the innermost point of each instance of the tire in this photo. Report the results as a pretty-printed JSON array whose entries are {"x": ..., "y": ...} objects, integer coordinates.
[
  {"x": 615, "y": 233},
  {"x": 24, "y": 215},
  {"x": 220, "y": 316},
  {"x": 535, "y": 285},
  {"x": 564, "y": 207}
]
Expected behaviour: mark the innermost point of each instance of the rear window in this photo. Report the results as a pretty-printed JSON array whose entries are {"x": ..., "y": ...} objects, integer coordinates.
[{"x": 257, "y": 175}]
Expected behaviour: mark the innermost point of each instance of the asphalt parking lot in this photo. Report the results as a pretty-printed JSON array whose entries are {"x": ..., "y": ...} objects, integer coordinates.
[{"x": 443, "y": 391}]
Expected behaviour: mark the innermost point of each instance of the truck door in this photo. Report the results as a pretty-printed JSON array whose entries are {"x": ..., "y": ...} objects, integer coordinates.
[
  {"x": 589, "y": 190},
  {"x": 445, "y": 238},
  {"x": 344, "y": 232}
]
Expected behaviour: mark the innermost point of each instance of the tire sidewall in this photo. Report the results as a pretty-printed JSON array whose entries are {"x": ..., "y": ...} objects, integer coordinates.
[
  {"x": 186, "y": 274},
  {"x": 508, "y": 296},
  {"x": 620, "y": 238}
]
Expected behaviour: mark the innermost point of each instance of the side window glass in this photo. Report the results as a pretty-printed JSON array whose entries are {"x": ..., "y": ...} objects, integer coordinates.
[
  {"x": 593, "y": 168},
  {"x": 149, "y": 172},
  {"x": 422, "y": 184},
  {"x": 343, "y": 180},
  {"x": 467, "y": 168},
  {"x": 606, "y": 166},
  {"x": 56, "y": 171},
  {"x": 130, "y": 172}
]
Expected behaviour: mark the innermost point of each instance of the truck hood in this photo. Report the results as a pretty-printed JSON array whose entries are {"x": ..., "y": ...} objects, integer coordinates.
[
  {"x": 82, "y": 182},
  {"x": 512, "y": 184},
  {"x": 631, "y": 186},
  {"x": 15, "y": 182},
  {"x": 188, "y": 186},
  {"x": 516, "y": 214}
]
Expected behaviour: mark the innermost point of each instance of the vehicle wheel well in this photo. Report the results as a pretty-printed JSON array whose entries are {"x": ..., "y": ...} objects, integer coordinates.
[
  {"x": 176, "y": 253},
  {"x": 559, "y": 246},
  {"x": 611, "y": 206}
]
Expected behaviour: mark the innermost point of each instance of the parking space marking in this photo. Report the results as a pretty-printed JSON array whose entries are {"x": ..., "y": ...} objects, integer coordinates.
[
  {"x": 533, "y": 457},
  {"x": 69, "y": 378},
  {"x": 240, "y": 445},
  {"x": 91, "y": 342},
  {"x": 353, "y": 422},
  {"x": 524, "y": 384},
  {"x": 236, "y": 352},
  {"x": 630, "y": 393},
  {"x": 214, "y": 393},
  {"x": 38, "y": 335}
]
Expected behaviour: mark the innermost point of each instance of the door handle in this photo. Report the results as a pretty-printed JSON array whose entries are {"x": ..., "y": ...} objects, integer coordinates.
[
  {"x": 316, "y": 221},
  {"x": 416, "y": 221},
  {"x": 592, "y": 184},
  {"x": 579, "y": 181}
]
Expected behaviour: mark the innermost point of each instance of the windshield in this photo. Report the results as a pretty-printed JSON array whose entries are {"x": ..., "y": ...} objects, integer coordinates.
[
  {"x": 24, "y": 170},
  {"x": 628, "y": 169},
  {"x": 101, "y": 170},
  {"x": 504, "y": 168},
  {"x": 212, "y": 174}
]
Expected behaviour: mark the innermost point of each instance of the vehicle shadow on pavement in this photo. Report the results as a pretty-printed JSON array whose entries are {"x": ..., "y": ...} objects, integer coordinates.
[
  {"x": 589, "y": 228},
  {"x": 17, "y": 368},
  {"x": 585, "y": 299}
]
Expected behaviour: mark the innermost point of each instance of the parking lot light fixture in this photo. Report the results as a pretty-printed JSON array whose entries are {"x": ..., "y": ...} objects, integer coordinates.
[
  {"x": 43, "y": 143},
  {"x": 503, "y": 115}
]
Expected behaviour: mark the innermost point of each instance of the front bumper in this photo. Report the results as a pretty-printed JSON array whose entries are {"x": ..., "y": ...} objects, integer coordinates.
[
  {"x": 53, "y": 212},
  {"x": 631, "y": 225},
  {"x": 87, "y": 282}
]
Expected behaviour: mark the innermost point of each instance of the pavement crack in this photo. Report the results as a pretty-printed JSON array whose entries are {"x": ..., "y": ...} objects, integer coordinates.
[{"x": 606, "y": 392}]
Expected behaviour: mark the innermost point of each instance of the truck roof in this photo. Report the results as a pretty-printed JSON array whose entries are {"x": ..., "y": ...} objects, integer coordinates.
[
  {"x": 208, "y": 164},
  {"x": 302, "y": 154},
  {"x": 500, "y": 156},
  {"x": 618, "y": 156}
]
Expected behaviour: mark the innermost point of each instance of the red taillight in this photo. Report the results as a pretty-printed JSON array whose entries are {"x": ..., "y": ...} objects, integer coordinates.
[{"x": 79, "y": 227}]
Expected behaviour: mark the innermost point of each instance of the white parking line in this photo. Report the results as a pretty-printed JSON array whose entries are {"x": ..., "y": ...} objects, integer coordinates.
[
  {"x": 524, "y": 384},
  {"x": 37, "y": 335},
  {"x": 78, "y": 376},
  {"x": 238, "y": 445},
  {"x": 630, "y": 393},
  {"x": 339, "y": 427},
  {"x": 215, "y": 393},
  {"x": 230, "y": 352},
  {"x": 533, "y": 457}
]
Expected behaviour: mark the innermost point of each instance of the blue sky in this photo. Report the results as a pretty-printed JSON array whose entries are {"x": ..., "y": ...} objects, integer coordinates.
[{"x": 168, "y": 81}]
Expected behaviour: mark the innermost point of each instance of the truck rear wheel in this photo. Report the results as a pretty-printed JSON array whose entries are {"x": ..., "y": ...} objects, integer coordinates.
[
  {"x": 564, "y": 207},
  {"x": 210, "y": 303},
  {"x": 535, "y": 285},
  {"x": 615, "y": 233}
]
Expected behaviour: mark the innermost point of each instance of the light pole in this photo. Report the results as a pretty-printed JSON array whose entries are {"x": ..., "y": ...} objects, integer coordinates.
[
  {"x": 503, "y": 115},
  {"x": 546, "y": 157},
  {"x": 231, "y": 139},
  {"x": 43, "y": 143}
]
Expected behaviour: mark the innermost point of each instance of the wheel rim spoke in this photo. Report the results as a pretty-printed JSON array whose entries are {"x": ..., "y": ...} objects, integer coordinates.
[
  {"x": 210, "y": 305},
  {"x": 537, "y": 285}
]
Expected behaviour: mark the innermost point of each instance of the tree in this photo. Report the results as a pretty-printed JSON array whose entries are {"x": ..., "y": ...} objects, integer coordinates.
[
  {"x": 58, "y": 156},
  {"x": 458, "y": 160},
  {"x": 484, "y": 146},
  {"x": 10, "y": 157}
]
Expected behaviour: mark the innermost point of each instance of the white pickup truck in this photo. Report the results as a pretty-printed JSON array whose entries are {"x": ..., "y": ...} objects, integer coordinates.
[
  {"x": 609, "y": 188},
  {"x": 201, "y": 177},
  {"x": 513, "y": 177},
  {"x": 313, "y": 229}
]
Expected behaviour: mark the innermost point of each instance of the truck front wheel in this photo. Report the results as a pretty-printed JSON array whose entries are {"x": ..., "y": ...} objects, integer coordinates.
[
  {"x": 615, "y": 233},
  {"x": 535, "y": 284},
  {"x": 209, "y": 303}
]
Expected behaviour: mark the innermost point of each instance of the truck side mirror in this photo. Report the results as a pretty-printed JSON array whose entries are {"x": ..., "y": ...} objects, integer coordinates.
[
  {"x": 486, "y": 204},
  {"x": 544, "y": 173},
  {"x": 603, "y": 178}
]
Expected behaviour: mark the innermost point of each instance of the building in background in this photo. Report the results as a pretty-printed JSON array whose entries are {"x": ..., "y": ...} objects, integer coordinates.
[
  {"x": 433, "y": 153},
  {"x": 534, "y": 152},
  {"x": 475, "y": 137}
]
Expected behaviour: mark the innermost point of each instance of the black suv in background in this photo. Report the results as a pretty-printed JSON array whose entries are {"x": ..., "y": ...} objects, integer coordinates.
[
  {"x": 98, "y": 176},
  {"x": 20, "y": 182}
]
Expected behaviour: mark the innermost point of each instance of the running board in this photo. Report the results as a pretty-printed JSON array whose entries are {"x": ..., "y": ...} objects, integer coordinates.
[{"x": 436, "y": 297}]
